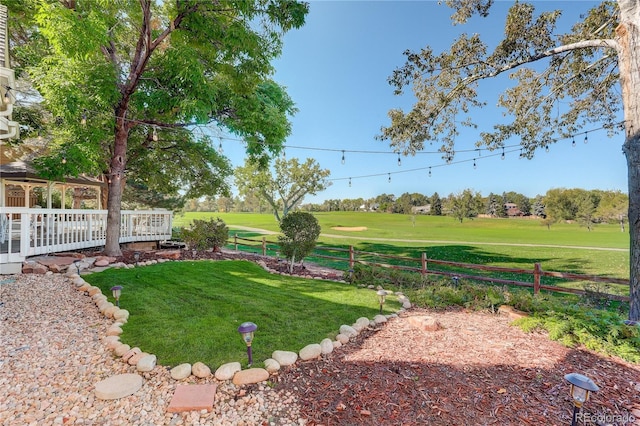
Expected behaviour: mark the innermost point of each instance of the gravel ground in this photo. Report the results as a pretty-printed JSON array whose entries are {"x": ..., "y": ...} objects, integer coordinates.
[{"x": 51, "y": 356}]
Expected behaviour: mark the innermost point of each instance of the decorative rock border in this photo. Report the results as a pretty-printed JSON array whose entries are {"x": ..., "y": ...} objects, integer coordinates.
[{"x": 232, "y": 371}]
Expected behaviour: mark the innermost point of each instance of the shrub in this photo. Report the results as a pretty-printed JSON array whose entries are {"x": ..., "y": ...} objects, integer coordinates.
[
  {"x": 205, "y": 234},
  {"x": 300, "y": 233}
]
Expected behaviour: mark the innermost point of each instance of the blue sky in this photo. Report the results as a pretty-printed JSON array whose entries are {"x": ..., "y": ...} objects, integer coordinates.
[{"x": 336, "y": 68}]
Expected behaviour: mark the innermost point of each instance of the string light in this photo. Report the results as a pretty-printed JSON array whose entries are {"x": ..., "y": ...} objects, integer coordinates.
[
  {"x": 449, "y": 158},
  {"x": 399, "y": 160},
  {"x": 586, "y": 138},
  {"x": 83, "y": 120},
  {"x": 220, "y": 146},
  {"x": 154, "y": 135},
  {"x": 342, "y": 160},
  {"x": 573, "y": 141},
  {"x": 349, "y": 182},
  {"x": 64, "y": 159},
  {"x": 475, "y": 166},
  {"x": 7, "y": 94}
]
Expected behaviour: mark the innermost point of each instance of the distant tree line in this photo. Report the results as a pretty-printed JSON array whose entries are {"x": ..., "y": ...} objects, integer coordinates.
[{"x": 586, "y": 207}]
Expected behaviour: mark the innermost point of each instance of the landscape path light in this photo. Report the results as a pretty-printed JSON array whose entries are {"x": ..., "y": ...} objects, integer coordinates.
[
  {"x": 246, "y": 329},
  {"x": 581, "y": 386},
  {"x": 455, "y": 279},
  {"x": 382, "y": 294},
  {"x": 116, "y": 290},
  {"x": 77, "y": 263},
  {"x": 136, "y": 256}
]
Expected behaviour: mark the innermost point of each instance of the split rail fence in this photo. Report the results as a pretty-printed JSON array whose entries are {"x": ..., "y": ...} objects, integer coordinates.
[{"x": 349, "y": 257}]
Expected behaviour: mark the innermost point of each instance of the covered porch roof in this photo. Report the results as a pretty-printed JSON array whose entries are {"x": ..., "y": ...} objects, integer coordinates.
[{"x": 23, "y": 174}]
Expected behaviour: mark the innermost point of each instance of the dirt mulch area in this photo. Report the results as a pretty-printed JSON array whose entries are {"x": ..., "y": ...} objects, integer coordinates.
[{"x": 476, "y": 370}]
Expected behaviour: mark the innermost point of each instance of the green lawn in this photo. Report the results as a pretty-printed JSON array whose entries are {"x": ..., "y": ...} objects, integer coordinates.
[{"x": 190, "y": 311}]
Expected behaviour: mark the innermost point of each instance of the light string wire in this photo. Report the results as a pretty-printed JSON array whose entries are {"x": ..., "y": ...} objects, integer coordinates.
[{"x": 505, "y": 149}]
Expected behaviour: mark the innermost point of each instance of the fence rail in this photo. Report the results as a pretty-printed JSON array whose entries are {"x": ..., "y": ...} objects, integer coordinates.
[{"x": 353, "y": 256}]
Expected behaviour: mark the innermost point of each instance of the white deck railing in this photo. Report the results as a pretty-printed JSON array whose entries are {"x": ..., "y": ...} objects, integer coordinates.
[{"x": 28, "y": 232}]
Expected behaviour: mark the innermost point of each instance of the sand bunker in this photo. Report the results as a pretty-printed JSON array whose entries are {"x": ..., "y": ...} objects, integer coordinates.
[{"x": 351, "y": 228}]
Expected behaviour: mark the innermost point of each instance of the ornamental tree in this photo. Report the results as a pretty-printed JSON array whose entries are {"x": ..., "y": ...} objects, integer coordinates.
[
  {"x": 130, "y": 85},
  {"x": 300, "y": 232},
  {"x": 591, "y": 70},
  {"x": 286, "y": 186}
]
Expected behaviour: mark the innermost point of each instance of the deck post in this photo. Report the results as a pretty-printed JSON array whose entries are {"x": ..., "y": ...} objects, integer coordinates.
[{"x": 264, "y": 246}]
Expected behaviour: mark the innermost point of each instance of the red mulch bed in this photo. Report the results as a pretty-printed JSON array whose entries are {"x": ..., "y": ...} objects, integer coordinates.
[{"x": 476, "y": 370}]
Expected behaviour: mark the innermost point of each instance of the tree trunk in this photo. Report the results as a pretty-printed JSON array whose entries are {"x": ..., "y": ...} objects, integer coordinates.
[
  {"x": 117, "y": 168},
  {"x": 628, "y": 37}
]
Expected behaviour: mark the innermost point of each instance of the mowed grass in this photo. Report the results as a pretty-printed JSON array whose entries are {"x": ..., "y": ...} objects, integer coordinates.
[
  {"x": 516, "y": 243},
  {"x": 190, "y": 311}
]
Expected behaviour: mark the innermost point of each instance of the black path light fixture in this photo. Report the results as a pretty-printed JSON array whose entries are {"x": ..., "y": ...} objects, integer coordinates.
[
  {"x": 246, "y": 330},
  {"x": 382, "y": 295},
  {"x": 581, "y": 386},
  {"x": 116, "y": 290},
  {"x": 136, "y": 257},
  {"x": 77, "y": 264}
]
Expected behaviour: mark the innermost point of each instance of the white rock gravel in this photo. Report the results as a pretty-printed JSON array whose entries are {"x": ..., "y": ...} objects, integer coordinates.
[{"x": 52, "y": 356}]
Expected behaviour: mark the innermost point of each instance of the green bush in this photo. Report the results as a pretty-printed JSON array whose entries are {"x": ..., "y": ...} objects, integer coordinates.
[
  {"x": 300, "y": 233},
  {"x": 205, "y": 234}
]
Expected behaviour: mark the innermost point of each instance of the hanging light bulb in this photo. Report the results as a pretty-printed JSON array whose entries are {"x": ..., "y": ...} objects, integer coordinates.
[
  {"x": 154, "y": 135},
  {"x": 39, "y": 136},
  {"x": 546, "y": 148},
  {"x": 349, "y": 182},
  {"x": 399, "y": 160},
  {"x": 502, "y": 156},
  {"x": 83, "y": 120},
  {"x": 7, "y": 95},
  {"x": 586, "y": 138},
  {"x": 220, "y": 147},
  {"x": 475, "y": 166},
  {"x": 342, "y": 160},
  {"x": 64, "y": 159},
  {"x": 429, "y": 171},
  {"x": 389, "y": 177},
  {"x": 573, "y": 142}
]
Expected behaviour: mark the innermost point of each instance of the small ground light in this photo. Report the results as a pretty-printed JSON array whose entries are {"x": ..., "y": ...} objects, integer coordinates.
[
  {"x": 136, "y": 256},
  {"x": 581, "y": 386},
  {"x": 246, "y": 329},
  {"x": 116, "y": 290},
  {"x": 455, "y": 280},
  {"x": 77, "y": 263},
  {"x": 382, "y": 294}
]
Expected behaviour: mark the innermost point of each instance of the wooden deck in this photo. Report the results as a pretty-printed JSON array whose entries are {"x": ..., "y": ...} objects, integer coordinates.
[{"x": 26, "y": 232}]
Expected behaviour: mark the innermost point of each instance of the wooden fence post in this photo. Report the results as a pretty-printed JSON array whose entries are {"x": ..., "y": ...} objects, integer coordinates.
[
  {"x": 235, "y": 241},
  {"x": 424, "y": 263},
  {"x": 537, "y": 273},
  {"x": 264, "y": 246},
  {"x": 352, "y": 257}
]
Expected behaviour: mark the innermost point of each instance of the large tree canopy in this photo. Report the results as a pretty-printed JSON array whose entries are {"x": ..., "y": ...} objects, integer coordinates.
[
  {"x": 130, "y": 83},
  {"x": 562, "y": 84}
]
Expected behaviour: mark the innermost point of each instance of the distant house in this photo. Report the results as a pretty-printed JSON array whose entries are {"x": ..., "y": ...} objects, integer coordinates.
[
  {"x": 513, "y": 210},
  {"x": 426, "y": 209},
  {"x": 371, "y": 208}
]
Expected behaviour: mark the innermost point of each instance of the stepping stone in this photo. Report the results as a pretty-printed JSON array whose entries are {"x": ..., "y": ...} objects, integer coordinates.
[
  {"x": 192, "y": 397},
  {"x": 118, "y": 386}
]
